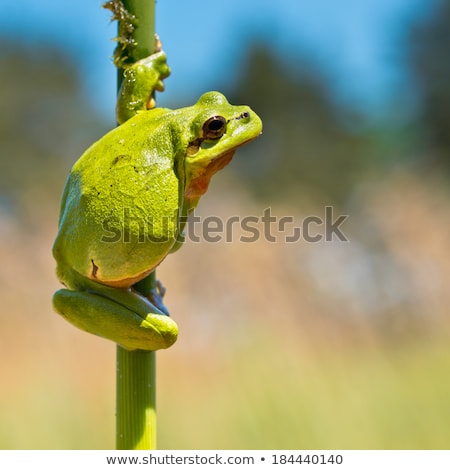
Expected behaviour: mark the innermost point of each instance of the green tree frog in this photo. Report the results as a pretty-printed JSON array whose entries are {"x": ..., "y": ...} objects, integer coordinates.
[{"x": 126, "y": 201}]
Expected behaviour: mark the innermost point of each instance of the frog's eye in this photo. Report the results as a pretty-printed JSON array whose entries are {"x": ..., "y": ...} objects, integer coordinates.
[{"x": 214, "y": 128}]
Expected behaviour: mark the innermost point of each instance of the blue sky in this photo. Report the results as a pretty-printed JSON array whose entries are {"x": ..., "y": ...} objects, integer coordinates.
[{"x": 356, "y": 42}]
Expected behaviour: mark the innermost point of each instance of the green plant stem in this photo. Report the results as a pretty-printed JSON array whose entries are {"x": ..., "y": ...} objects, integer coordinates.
[
  {"x": 136, "y": 370},
  {"x": 136, "y": 395},
  {"x": 144, "y": 32}
]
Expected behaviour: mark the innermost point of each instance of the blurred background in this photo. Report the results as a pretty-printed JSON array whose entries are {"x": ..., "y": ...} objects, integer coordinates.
[{"x": 282, "y": 345}]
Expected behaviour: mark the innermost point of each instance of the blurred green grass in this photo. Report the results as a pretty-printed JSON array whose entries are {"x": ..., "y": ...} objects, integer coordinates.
[
  {"x": 282, "y": 398},
  {"x": 258, "y": 397}
]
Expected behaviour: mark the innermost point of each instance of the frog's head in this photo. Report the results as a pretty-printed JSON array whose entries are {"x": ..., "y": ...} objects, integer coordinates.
[{"x": 218, "y": 129}]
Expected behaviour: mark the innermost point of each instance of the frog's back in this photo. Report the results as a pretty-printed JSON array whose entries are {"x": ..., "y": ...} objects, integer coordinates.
[{"x": 120, "y": 209}]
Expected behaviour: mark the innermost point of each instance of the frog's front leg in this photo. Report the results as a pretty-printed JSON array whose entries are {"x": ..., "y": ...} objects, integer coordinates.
[
  {"x": 120, "y": 315},
  {"x": 140, "y": 80}
]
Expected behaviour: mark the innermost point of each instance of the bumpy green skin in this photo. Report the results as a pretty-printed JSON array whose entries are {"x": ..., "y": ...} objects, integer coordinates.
[
  {"x": 125, "y": 202},
  {"x": 139, "y": 81}
]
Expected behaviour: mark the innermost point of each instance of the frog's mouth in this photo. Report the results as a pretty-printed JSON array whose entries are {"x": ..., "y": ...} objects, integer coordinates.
[{"x": 199, "y": 184}]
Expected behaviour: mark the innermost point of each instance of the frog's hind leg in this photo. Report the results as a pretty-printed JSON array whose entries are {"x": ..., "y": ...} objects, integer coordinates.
[{"x": 123, "y": 317}]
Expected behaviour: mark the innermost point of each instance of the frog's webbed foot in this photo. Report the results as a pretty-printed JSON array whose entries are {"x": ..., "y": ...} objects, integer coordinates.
[
  {"x": 140, "y": 80},
  {"x": 156, "y": 296},
  {"x": 158, "y": 63}
]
